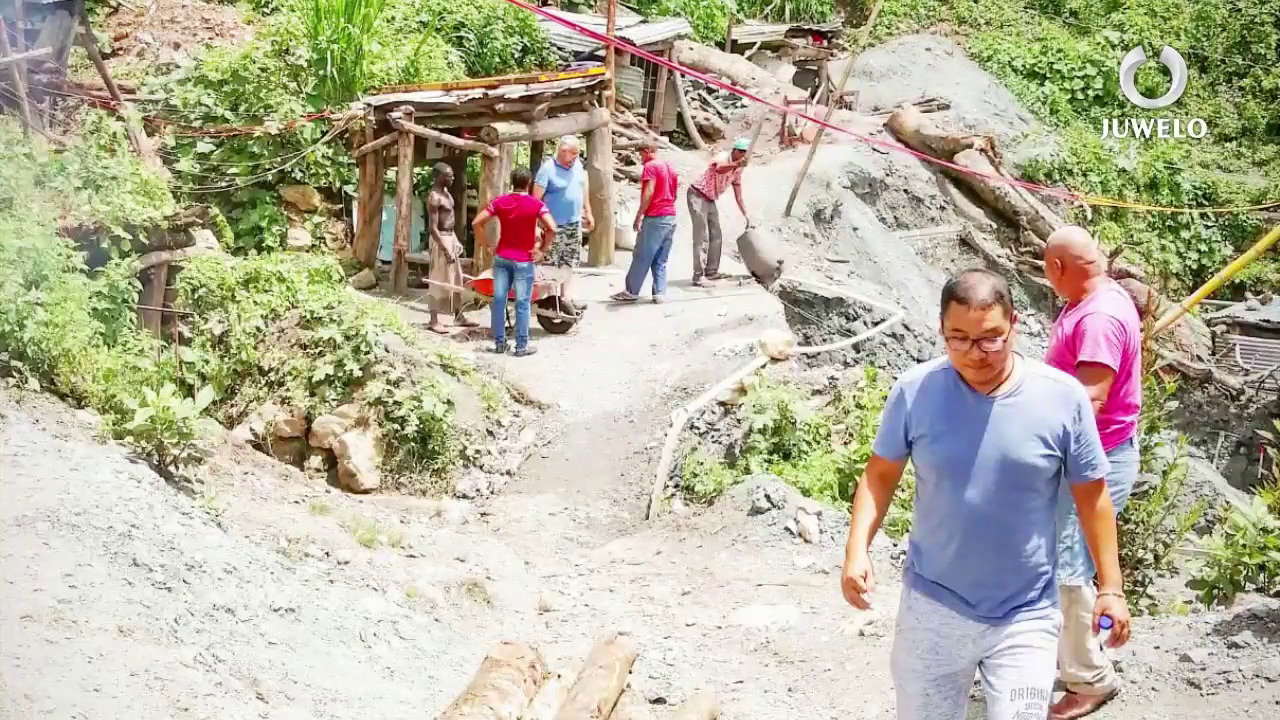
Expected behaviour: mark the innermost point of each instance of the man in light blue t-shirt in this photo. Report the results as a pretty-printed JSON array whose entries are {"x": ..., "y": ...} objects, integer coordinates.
[
  {"x": 561, "y": 183},
  {"x": 992, "y": 437}
]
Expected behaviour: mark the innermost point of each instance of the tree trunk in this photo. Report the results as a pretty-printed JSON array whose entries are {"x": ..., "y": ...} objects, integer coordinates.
[
  {"x": 368, "y": 232},
  {"x": 601, "y": 681},
  {"x": 700, "y": 707},
  {"x": 501, "y": 689},
  {"x": 736, "y": 69},
  {"x": 600, "y": 182},
  {"x": 404, "y": 214},
  {"x": 499, "y": 133}
]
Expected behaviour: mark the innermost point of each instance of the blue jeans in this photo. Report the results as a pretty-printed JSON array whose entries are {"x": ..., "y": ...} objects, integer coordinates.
[
  {"x": 1075, "y": 565},
  {"x": 653, "y": 247},
  {"x": 507, "y": 273}
]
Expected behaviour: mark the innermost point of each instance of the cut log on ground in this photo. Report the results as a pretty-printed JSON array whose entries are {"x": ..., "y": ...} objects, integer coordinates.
[
  {"x": 604, "y": 675},
  {"x": 572, "y": 124},
  {"x": 631, "y": 706},
  {"x": 508, "y": 679},
  {"x": 700, "y": 707},
  {"x": 548, "y": 700}
]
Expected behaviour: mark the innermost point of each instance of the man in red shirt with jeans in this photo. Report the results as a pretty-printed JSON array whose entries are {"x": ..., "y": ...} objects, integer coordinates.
[
  {"x": 655, "y": 226},
  {"x": 519, "y": 214}
]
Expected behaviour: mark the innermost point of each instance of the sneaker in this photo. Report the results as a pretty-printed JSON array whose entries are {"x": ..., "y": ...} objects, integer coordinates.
[
  {"x": 500, "y": 348},
  {"x": 624, "y": 296},
  {"x": 525, "y": 351},
  {"x": 659, "y": 299},
  {"x": 701, "y": 282}
]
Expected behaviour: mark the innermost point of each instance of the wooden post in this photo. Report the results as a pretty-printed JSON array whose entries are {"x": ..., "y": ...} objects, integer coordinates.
[
  {"x": 536, "y": 149},
  {"x": 600, "y": 183},
  {"x": 490, "y": 188},
  {"x": 153, "y": 297},
  {"x": 370, "y": 198},
  {"x": 404, "y": 213},
  {"x": 728, "y": 35},
  {"x": 462, "y": 223},
  {"x": 19, "y": 69},
  {"x": 831, "y": 106},
  {"x": 660, "y": 94},
  {"x": 610, "y": 55},
  {"x": 686, "y": 115}
]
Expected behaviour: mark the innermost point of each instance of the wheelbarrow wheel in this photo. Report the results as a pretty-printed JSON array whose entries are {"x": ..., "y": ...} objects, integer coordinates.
[{"x": 555, "y": 326}]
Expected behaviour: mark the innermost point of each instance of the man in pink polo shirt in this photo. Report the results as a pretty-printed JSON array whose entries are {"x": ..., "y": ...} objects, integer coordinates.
[
  {"x": 724, "y": 172},
  {"x": 1098, "y": 339}
]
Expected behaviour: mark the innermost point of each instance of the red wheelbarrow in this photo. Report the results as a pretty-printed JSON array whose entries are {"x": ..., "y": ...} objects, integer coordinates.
[{"x": 546, "y": 305}]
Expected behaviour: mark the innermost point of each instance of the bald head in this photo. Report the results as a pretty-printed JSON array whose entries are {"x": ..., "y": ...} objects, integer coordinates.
[{"x": 1072, "y": 261}]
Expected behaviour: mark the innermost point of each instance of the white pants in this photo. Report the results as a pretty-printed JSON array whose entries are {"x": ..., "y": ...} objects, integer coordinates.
[{"x": 936, "y": 652}]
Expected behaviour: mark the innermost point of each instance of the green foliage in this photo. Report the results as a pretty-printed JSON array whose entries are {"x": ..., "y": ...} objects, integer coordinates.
[
  {"x": 1244, "y": 556},
  {"x": 491, "y": 37},
  {"x": 820, "y": 451},
  {"x": 163, "y": 427},
  {"x": 339, "y": 35},
  {"x": 257, "y": 221},
  {"x": 1060, "y": 58},
  {"x": 283, "y": 327},
  {"x": 709, "y": 18}
]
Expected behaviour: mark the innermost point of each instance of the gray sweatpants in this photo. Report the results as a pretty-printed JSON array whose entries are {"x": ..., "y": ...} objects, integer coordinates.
[
  {"x": 936, "y": 652},
  {"x": 707, "y": 240}
]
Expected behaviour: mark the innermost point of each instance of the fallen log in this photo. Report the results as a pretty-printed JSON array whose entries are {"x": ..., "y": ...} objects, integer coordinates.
[
  {"x": 548, "y": 700},
  {"x": 508, "y": 679},
  {"x": 595, "y": 692},
  {"x": 736, "y": 69},
  {"x": 702, "y": 706},
  {"x": 443, "y": 138},
  {"x": 686, "y": 115}
]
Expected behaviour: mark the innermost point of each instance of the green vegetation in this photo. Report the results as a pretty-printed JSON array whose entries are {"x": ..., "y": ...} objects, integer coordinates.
[
  {"x": 371, "y": 534},
  {"x": 710, "y": 18},
  {"x": 1059, "y": 57},
  {"x": 822, "y": 451}
]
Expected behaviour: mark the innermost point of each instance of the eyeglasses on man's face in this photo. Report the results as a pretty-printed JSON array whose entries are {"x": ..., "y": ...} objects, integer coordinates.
[{"x": 985, "y": 344}]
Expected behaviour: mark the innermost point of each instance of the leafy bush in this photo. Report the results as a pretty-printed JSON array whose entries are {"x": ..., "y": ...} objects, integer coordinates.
[
  {"x": 709, "y": 18},
  {"x": 1244, "y": 556},
  {"x": 491, "y": 37},
  {"x": 283, "y": 327},
  {"x": 822, "y": 452},
  {"x": 163, "y": 427}
]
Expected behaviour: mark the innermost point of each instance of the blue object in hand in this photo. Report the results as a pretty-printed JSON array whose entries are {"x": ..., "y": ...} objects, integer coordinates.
[{"x": 1105, "y": 622}]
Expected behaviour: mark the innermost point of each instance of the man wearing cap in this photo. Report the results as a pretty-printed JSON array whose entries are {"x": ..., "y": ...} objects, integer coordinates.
[{"x": 725, "y": 170}]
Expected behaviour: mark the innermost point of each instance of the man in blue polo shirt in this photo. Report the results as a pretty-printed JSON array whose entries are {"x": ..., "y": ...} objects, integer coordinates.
[
  {"x": 992, "y": 436},
  {"x": 562, "y": 185}
]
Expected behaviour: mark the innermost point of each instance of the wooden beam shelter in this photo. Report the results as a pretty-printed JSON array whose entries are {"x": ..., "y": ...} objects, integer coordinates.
[{"x": 487, "y": 117}]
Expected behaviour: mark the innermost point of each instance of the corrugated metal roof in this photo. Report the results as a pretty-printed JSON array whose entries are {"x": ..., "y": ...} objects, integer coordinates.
[
  {"x": 1255, "y": 355},
  {"x": 754, "y": 31},
  {"x": 630, "y": 27}
]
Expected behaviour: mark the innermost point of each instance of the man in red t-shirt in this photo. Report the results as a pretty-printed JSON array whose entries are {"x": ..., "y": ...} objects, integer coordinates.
[
  {"x": 519, "y": 214},
  {"x": 655, "y": 226}
]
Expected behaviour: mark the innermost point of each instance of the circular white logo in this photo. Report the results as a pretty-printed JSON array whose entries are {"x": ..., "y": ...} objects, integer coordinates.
[{"x": 1135, "y": 59}]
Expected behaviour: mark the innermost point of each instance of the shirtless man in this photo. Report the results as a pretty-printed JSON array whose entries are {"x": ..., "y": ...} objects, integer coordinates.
[{"x": 446, "y": 249}]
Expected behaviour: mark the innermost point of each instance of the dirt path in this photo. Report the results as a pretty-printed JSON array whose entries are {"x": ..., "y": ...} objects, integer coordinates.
[{"x": 267, "y": 595}]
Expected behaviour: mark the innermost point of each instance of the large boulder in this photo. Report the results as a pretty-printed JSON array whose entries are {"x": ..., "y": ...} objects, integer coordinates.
[
  {"x": 290, "y": 422},
  {"x": 326, "y": 430},
  {"x": 303, "y": 197}
]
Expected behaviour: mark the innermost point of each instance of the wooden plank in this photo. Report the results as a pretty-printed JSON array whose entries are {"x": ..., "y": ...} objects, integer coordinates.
[
  {"x": 657, "y": 107},
  {"x": 404, "y": 213},
  {"x": 523, "y": 78},
  {"x": 501, "y": 133},
  {"x": 22, "y": 57},
  {"x": 600, "y": 163},
  {"x": 443, "y": 138}
]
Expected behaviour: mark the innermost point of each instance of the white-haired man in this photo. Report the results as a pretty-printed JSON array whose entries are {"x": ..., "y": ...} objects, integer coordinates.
[{"x": 561, "y": 184}]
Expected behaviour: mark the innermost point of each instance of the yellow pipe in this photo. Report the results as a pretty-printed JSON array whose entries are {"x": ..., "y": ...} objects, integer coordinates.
[{"x": 1216, "y": 281}]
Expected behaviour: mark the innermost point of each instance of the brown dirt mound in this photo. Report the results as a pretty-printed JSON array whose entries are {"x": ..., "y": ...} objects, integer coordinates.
[{"x": 161, "y": 32}]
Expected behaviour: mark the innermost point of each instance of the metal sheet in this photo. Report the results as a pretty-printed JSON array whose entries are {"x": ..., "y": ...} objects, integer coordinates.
[
  {"x": 633, "y": 29},
  {"x": 631, "y": 82}
]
